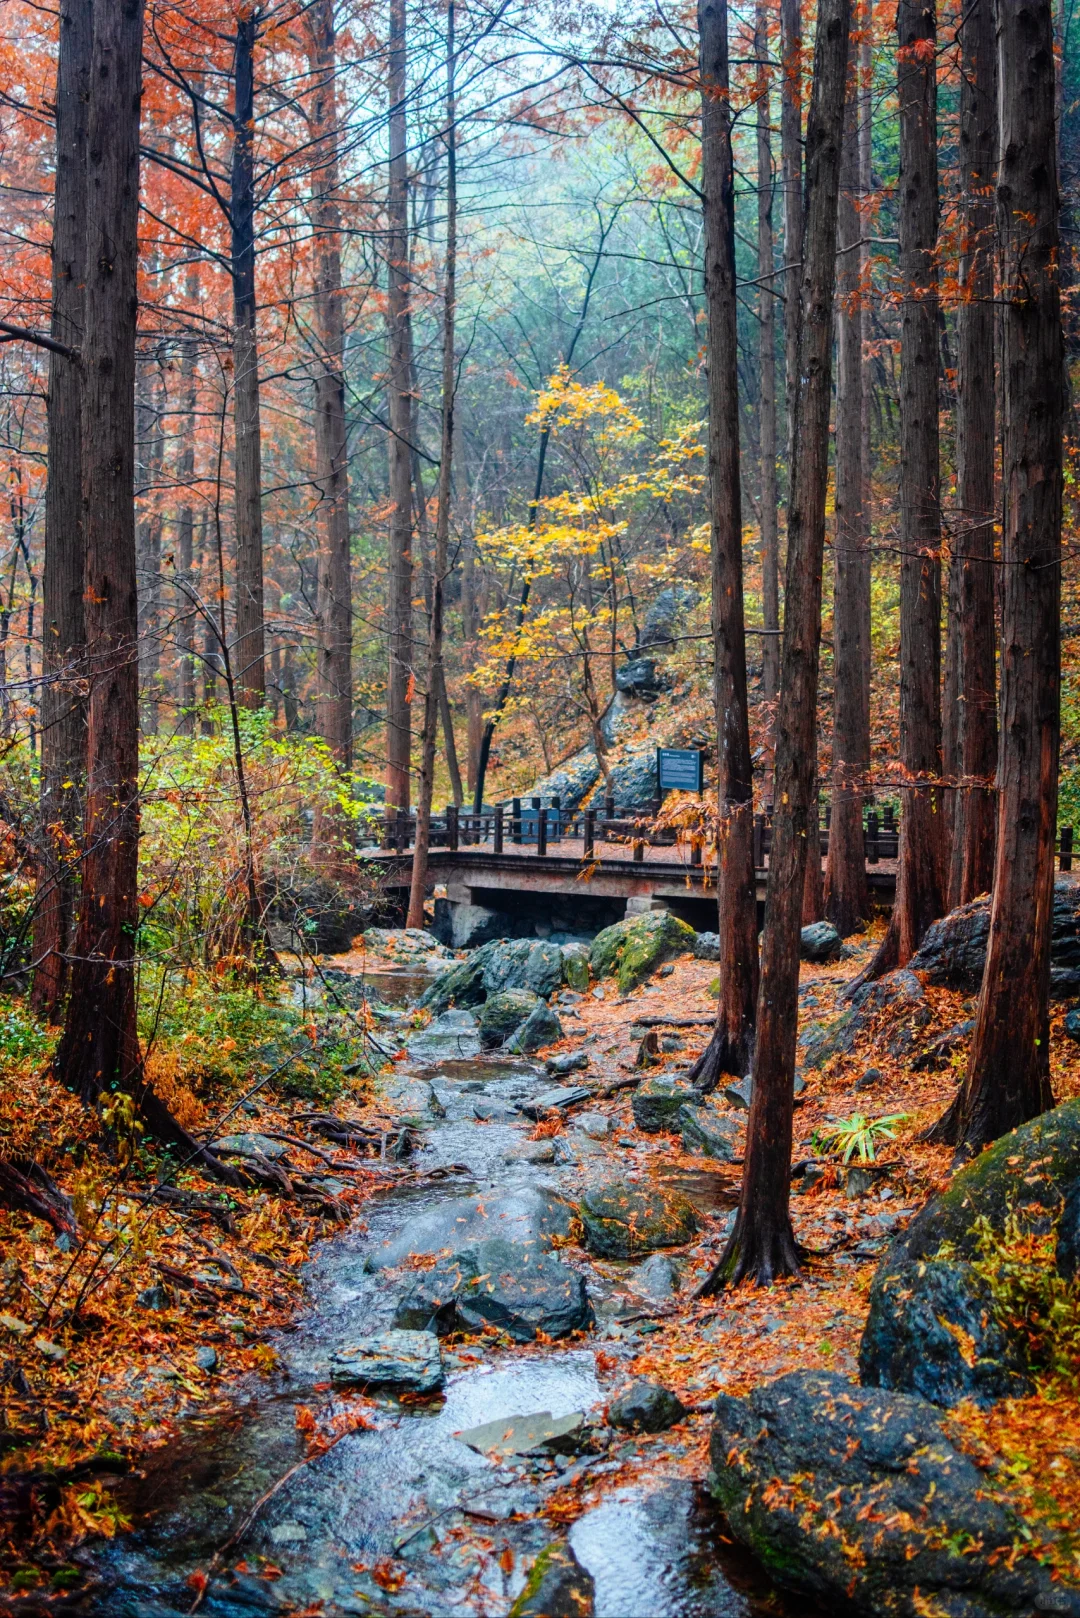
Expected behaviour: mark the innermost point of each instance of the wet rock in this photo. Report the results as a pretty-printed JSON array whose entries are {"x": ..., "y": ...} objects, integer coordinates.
[
  {"x": 575, "y": 966},
  {"x": 462, "y": 985},
  {"x": 521, "y": 1291},
  {"x": 154, "y": 1298},
  {"x": 529, "y": 1214},
  {"x": 538, "y": 1433},
  {"x": 658, "y": 1102},
  {"x": 707, "y": 946},
  {"x": 931, "y": 1330},
  {"x": 451, "y": 1037},
  {"x": 430, "y": 1303},
  {"x": 568, "y": 1062},
  {"x": 820, "y": 942},
  {"x": 576, "y": 1149},
  {"x": 632, "y": 948},
  {"x": 1072, "y": 1023},
  {"x": 1067, "y": 1256},
  {"x": 410, "y": 1098},
  {"x": 594, "y": 1124},
  {"x": 250, "y": 1144},
  {"x": 737, "y": 1094},
  {"x": 532, "y": 1151},
  {"x": 895, "y": 1007},
  {"x": 1027, "y": 1172},
  {"x": 503, "y": 1013},
  {"x": 557, "y": 1587},
  {"x": 541, "y": 1027},
  {"x": 709, "y": 1128},
  {"x": 953, "y": 951},
  {"x": 558, "y": 1100},
  {"x": 206, "y": 1358},
  {"x": 646, "y": 1407},
  {"x": 543, "y": 972},
  {"x": 288, "y": 1533},
  {"x": 409, "y": 1360},
  {"x": 621, "y": 1221},
  {"x": 859, "y": 1498}
]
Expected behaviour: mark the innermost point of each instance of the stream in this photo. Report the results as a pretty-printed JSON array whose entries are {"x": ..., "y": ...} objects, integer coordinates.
[{"x": 372, "y": 1526}]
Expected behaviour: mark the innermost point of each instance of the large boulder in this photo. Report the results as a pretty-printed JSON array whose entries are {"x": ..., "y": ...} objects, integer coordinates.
[
  {"x": 1067, "y": 1256},
  {"x": 894, "y": 1007},
  {"x": 515, "y": 1287},
  {"x": 462, "y": 985},
  {"x": 541, "y": 1027},
  {"x": 531, "y": 1215},
  {"x": 658, "y": 1101},
  {"x": 710, "y": 1128},
  {"x": 932, "y": 1330},
  {"x": 820, "y": 942},
  {"x": 953, "y": 952},
  {"x": 861, "y": 1499},
  {"x": 621, "y": 1221},
  {"x": 451, "y": 1037},
  {"x": 637, "y": 945},
  {"x": 633, "y": 782},
  {"x": 534, "y": 964},
  {"x": 1027, "y": 1173},
  {"x": 503, "y": 1013}
]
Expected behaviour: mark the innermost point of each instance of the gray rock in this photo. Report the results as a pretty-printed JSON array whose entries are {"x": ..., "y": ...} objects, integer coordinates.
[
  {"x": 532, "y": 1151},
  {"x": 709, "y": 1129},
  {"x": 638, "y": 678},
  {"x": 820, "y": 942},
  {"x": 633, "y": 781},
  {"x": 541, "y": 1027},
  {"x": 568, "y": 1062},
  {"x": 667, "y": 617},
  {"x": 596, "y": 1125},
  {"x": 430, "y": 1303},
  {"x": 521, "y": 1291},
  {"x": 543, "y": 968},
  {"x": 894, "y": 1008},
  {"x": 707, "y": 946},
  {"x": 859, "y": 1498},
  {"x": 473, "y": 925},
  {"x": 503, "y": 1013},
  {"x": 737, "y": 1094},
  {"x": 870, "y": 1078},
  {"x": 1067, "y": 1255},
  {"x": 410, "y": 1097},
  {"x": 451, "y": 1037},
  {"x": 538, "y": 1433},
  {"x": 953, "y": 952},
  {"x": 646, "y": 1407},
  {"x": 529, "y": 1214},
  {"x": 288, "y": 1533},
  {"x": 1072, "y": 1023},
  {"x": 153, "y": 1298},
  {"x": 575, "y": 966},
  {"x": 249, "y": 1143},
  {"x": 571, "y": 783},
  {"x": 932, "y": 1330},
  {"x": 622, "y": 1221},
  {"x": 657, "y": 1278},
  {"x": 390, "y": 1359},
  {"x": 659, "y": 1101},
  {"x": 206, "y": 1358},
  {"x": 557, "y": 1587},
  {"x": 558, "y": 1100},
  {"x": 939, "y": 1053}
]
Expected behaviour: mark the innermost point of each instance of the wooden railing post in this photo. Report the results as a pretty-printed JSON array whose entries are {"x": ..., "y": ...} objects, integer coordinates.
[
  {"x": 1066, "y": 848},
  {"x": 590, "y": 834},
  {"x": 452, "y": 827},
  {"x": 541, "y": 829},
  {"x": 759, "y": 842},
  {"x": 871, "y": 840},
  {"x": 609, "y": 807},
  {"x": 497, "y": 834},
  {"x": 515, "y": 820}
]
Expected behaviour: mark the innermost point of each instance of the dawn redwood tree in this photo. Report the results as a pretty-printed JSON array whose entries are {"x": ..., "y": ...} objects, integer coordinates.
[
  {"x": 63, "y": 703},
  {"x": 99, "y": 1048},
  {"x": 333, "y": 713},
  {"x": 971, "y": 586},
  {"x": 185, "y": 477},
  {"x": 762, "y": 1243},
  {"x": 1008, "y": 1075},
  {"x": 731, "y": 1046},
  {"x": 847, "y": 899},
  {"x": 766, "y": 269},
  {"x": 920, "y": 867},
  {"x": 440, "y": 562},
  {"x": 249, "y": 657},
  {"x": 399, "y": 444}
]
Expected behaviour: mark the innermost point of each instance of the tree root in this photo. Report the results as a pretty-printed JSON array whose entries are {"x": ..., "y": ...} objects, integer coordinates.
[{"x": 26, "y": 1187}]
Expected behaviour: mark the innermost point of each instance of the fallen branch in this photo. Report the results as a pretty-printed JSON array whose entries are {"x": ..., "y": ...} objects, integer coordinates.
[{"x": 28, "y": 1189}]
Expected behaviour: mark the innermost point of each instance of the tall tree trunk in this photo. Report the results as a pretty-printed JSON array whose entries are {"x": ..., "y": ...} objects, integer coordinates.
[
  {"x": 185, "y": 475},
  {"x": 762, "y": 1242},
  {"x": 791, "y": 185},
  {"x": 1008, "y": 1076},
  {"x": 63, "y": 704},
  {"x": 972, "y": 865},
  {"x": 866, "y": 186},
  {"x": 731, "y": 1046},
  {"x": 151, "y": 441},
  {"x": 766, "y": 268},
  {"x": 471, "y": 615},
  {"x": 399, "y": 322},
  {"x": 440, "y": 564},
  {"x": 249, "y": 659},
  {"x": 920, "y": 873},
  {"x": 333, "y": 711},
  {"x": 847, "y": 894}
]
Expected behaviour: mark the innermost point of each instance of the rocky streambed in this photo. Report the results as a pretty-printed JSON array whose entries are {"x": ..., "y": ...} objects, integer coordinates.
[{"x": 438, "y": 1504}]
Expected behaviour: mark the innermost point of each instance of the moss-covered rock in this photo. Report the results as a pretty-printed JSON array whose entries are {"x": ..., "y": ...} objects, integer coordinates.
[
  {"x": 505, "y": 1012},
  {"x": 634, "y": 947},
  {"x": 658, "y": 1101},
  {"x": 557, "y": 1587},
  {"x": 575, "y": 966},
  {"x": 621, "y": 1221},
  {"x": 541, "y": 1027}
]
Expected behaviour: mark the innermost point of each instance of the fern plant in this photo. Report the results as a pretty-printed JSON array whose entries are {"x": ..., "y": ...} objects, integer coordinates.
[{"x": 858, "y": 1136}]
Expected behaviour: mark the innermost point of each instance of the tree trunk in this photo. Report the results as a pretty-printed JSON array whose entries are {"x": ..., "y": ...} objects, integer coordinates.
[
  {"x": 731, "y": 1046},
  {"x": 185, "y": 474},
  {"x": 399, "y": 322},
  {"x": 150, "y": 440},
  {"x": 766, "y": 268},
  {"x": 63, "y": 704},
  {"x": 440, "y": 563},
  {"x": 791, "y": 182},
  {"x": 762, "y": 1243},
  {"x": 249, "y": 659},
  {"x": 847, "y": 895},
  {"x": 919, "y": 879},
  {"x": 972, "y": 865},
  {"x": 333, "y": 710},
  {"x": 471, "y": 615},
  {"x": 1008, "y": 1076}
]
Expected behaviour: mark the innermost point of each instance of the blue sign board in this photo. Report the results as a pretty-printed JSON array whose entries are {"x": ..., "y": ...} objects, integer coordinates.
[{"x": 679, "y": 769}]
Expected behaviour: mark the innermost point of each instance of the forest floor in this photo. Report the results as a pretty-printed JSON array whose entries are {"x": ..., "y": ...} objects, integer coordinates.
[{"x": 163, "y": 1313}]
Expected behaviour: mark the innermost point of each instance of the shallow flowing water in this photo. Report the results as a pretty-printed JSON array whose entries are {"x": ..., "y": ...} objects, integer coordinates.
[{"x": 376, "y": 1525}]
